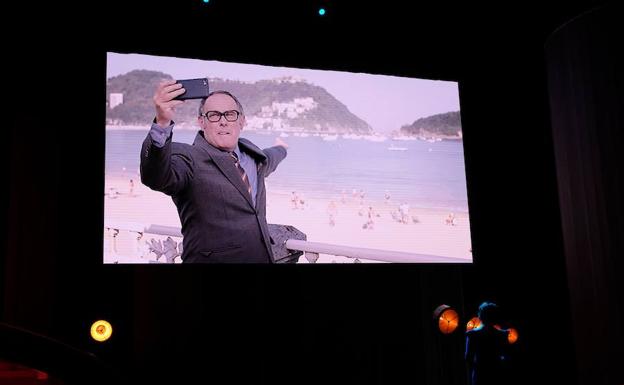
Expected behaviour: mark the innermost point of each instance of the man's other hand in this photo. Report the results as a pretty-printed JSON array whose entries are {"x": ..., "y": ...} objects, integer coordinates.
[{"x": 280, "y": 142}]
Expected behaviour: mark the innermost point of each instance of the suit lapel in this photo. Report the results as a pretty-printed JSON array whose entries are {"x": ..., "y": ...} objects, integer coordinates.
[
  {"x": 253, "y": 150},
  {"x": 225, "y": 163}
]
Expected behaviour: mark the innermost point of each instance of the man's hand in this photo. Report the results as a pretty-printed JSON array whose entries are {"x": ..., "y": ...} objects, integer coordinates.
[
  {"x": 280, "y": 142},
  {"x": 163, "y": 100}
]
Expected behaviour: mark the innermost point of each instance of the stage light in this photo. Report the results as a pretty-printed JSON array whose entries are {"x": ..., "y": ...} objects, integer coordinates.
[
  {"x": 206, "y": 1},
  {"x": 101, "y": 330},
  {"x": 447, "y": 319},
  {"x": 474, "y": 323},
  {"x": 321, "y": 11},
  {"x": 512, "y": 335}
]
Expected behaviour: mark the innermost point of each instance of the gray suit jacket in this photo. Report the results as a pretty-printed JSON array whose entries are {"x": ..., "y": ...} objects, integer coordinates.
[{"x": 219, "y": 222}]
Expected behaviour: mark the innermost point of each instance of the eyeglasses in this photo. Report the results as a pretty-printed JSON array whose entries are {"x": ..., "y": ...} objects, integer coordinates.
[{"x": 215, "y": 116}]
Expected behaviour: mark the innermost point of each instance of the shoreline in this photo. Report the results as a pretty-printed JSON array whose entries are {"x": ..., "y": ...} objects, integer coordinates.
[{"x": 388, "y": 136}]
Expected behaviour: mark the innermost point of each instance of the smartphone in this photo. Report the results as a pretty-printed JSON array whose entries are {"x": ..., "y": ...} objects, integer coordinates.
[{"x": 195, "y": 89}]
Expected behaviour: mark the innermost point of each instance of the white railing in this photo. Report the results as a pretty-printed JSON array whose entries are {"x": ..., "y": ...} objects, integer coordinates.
[
  {"x": 313, "y": 249},
  {"x": 131, "y": 242},
  {"x": 125, "y": 243}
]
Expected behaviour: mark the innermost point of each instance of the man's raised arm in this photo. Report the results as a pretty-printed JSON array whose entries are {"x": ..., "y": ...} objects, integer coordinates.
[{"x": 162, "y": 168}]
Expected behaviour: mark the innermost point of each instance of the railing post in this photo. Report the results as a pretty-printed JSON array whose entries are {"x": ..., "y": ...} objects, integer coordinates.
[{"x": 311, "y": 257}]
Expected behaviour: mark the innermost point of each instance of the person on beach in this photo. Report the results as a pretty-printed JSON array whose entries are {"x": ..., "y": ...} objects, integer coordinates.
[
  {"x": 302, "y": 205},
  {"x": 113, "y": 193},
  {"x": 294, "y": 199},
  {"x": 217, "y": 183},
  {"x": 404, "y": 213},
  {"x": 131, "y": 187},
  {"x": 370, "y": 223},
  {"x": 332, "y": 210},
  {"x": 361, "y": 208}
]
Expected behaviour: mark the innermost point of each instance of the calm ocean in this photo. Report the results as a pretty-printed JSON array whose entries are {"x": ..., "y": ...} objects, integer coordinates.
[{"x": 421, "y": 173}]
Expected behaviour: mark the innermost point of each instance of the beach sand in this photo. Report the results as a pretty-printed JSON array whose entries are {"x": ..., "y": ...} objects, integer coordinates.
[{"x": 425, "y": 233}]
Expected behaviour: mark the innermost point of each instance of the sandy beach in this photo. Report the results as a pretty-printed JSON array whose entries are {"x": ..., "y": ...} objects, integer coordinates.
[{"x": 348, "y": 221}]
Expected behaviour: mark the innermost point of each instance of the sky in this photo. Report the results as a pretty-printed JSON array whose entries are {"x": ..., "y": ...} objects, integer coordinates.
[{"x": 385, "y": 102}]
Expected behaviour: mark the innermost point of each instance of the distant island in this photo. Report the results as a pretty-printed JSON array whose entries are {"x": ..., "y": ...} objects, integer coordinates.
[
  {"x": 440, "y": 126},
  {"x": 288, "y": 105}
]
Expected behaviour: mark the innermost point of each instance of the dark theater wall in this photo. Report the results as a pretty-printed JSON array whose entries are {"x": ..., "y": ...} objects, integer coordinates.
[{"x": 348, "y": 324}]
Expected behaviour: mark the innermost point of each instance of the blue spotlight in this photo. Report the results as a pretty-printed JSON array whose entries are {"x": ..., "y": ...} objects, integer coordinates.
[{"x": 321, "y": 11}]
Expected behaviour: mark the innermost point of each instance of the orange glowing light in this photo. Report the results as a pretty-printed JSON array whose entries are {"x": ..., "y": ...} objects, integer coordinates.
[
  {"x": 447, "y": 318},
  {"x": 474, "y": 323},
  {"x": 101, "y": 330}
]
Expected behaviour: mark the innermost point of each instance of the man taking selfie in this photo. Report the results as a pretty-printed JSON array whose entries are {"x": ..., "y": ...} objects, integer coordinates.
[{"x": 217, "y": 183}]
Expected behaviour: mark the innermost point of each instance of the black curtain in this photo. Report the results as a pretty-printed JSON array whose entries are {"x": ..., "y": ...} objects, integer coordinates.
[{"x": 586, "y": 86}]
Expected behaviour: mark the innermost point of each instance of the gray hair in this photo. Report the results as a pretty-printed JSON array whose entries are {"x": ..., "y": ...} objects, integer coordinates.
[{"x": 238, "y": 104}]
